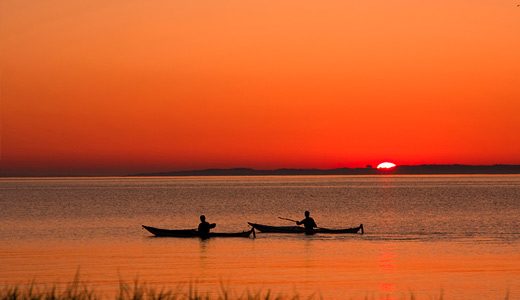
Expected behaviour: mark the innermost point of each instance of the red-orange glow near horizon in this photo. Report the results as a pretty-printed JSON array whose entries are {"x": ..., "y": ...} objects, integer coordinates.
[{"x": 115, "y": 87}]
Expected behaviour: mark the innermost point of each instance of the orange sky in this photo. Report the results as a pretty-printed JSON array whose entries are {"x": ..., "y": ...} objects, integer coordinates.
[{"x": 111, "y": 87}]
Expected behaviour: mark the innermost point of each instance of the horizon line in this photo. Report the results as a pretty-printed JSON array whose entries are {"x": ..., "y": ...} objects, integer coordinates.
[{"x": 249, "y": 171}]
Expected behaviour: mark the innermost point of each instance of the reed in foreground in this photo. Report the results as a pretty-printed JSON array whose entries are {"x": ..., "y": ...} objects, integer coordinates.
[{"x": 79, "y": 290}]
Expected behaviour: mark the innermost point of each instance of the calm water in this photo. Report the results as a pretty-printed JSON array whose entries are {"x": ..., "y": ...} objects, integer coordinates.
[{"x": 456, "y": 235}]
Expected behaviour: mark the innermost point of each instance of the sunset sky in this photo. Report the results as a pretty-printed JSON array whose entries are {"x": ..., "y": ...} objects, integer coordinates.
[{"x": 116, "y": 87}]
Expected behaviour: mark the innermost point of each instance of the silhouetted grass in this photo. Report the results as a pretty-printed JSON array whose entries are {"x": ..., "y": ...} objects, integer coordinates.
[{"x": 78, "y": 290}]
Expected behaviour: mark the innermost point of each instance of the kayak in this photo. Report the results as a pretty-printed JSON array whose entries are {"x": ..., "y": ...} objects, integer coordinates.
[
  {"x": 300, "y": 229},
  {"x": 195, "y": 233}
]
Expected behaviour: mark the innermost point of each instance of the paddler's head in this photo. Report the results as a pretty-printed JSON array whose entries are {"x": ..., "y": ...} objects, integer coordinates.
[
  {"x": 202, "y": 218},
  {"x": 307, "y": 213}
]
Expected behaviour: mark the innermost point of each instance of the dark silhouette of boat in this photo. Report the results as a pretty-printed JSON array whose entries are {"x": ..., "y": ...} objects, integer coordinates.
[
  {"x": 194, "y": 233},
  {"x": 300, "y": 229}
]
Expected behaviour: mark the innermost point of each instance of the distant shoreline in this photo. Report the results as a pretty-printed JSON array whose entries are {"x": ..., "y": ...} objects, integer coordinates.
[
  {"x": 452, "y": 169},
  {"x": 399, "y": 170}
]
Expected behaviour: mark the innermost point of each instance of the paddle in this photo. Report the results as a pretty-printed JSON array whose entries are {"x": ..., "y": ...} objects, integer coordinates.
[{"x": 288, "y": 219}]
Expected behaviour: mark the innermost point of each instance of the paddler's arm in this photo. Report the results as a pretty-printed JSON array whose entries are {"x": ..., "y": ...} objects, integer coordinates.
[{"x": 213, "y": 225}]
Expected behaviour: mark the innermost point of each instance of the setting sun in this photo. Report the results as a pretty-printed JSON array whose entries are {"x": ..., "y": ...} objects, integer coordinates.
[{"x": 386, "y": 165}]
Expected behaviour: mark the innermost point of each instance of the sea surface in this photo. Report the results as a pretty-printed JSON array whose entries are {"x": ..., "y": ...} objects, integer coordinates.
[{"x": 428, "y": 236}]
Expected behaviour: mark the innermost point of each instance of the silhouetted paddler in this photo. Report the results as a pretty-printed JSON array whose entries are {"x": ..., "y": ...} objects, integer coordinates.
[
  {"x": 204, "y": 227},
  {"x": 308, "y": 223}
]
